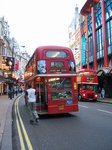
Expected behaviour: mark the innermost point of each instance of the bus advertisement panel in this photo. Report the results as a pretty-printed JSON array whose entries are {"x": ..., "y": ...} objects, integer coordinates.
[
  {"x": 87, "y": 81},
  {"x": 52, "y": 72}
]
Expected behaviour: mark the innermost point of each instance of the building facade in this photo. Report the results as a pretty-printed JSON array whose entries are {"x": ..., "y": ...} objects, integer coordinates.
[
  {"x": 96, "y": 41},
  {"x": 12, "y": 60},
  {"x": 74, "y": 37}
]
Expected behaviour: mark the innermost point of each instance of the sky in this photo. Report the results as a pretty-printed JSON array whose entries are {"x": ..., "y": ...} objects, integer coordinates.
[{"x": 35, "y": 23}]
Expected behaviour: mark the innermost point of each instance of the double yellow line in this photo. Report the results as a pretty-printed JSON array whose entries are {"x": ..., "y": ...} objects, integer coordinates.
[{"x": 21, "y": 128}]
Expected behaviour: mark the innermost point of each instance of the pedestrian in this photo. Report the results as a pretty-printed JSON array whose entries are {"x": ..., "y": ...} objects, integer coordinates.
[
  {"x": 12, "y": 92},
  {"x": 26, "y": 98},
  {"x": 31, "y": 98},
  {"x": 103, "y": 93},
  {"x": 99, "y": 92},
  {"x": 16, "y": 91},
  {"x": 9, "y": 93}
]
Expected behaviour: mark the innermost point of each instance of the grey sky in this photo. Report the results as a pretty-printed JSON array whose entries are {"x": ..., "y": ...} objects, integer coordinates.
[{"x": 39, "y": 22}]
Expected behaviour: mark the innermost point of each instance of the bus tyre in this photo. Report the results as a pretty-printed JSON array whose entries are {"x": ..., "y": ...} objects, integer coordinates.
[{"x": 79, "y": 97}]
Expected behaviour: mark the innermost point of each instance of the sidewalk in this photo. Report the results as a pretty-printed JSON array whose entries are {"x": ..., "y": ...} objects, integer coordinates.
[
  {"x": 4, "y": 104},
  {"x": 6, "y": 122},
  {"x": 105, "y": 100}
]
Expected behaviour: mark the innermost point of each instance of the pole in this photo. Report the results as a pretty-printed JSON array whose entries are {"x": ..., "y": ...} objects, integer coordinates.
[
  {"x": 40, "y": 95},
  {"x": 12, "y": 88}
]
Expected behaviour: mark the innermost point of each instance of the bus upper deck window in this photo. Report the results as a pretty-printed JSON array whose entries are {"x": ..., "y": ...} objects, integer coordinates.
[
  {"x": 56, "y": 54},
  {"x": 41, "y": 66}
]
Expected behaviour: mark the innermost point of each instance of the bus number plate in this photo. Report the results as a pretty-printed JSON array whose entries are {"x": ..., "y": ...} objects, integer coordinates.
[{"x": 61, "y": 107}]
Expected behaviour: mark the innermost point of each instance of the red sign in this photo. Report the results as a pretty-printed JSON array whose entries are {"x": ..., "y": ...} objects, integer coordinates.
[{"x": 17, "y": 65}]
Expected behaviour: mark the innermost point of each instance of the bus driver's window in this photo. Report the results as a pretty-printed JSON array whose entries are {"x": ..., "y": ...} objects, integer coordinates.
[{"x": 84, "y": 87}]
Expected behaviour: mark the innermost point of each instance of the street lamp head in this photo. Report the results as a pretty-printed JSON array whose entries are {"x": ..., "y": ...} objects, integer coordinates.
[{"x": 23, "y": 46}]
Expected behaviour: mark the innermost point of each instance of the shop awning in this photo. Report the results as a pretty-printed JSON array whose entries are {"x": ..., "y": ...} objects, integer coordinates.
[
  {"x": 104, "y": 71},
  {"x": 110, "y": 71}
]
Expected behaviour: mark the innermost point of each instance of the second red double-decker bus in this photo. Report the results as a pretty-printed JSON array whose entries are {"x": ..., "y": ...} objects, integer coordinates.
[
  {"x": 51, "y": 71},
  {"x": 87, "y": 81}
]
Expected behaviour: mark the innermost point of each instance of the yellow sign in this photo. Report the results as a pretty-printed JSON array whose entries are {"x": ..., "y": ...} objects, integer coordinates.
[
  {"x": 61, "y": 107},
  {"x": 7, "y": 63},
  {"x": 4, "y": 67},
  {"x": 75, "y": 86},
  {"x": 79, "y": 79}
]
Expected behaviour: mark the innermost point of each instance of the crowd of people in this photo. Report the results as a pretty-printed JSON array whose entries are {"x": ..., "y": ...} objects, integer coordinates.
[
  {"x": 30, "y": 99},
  {"x": 14, "y": 90}
]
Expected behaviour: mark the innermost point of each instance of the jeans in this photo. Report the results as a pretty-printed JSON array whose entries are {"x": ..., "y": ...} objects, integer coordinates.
[{"x": 32, "y": 110}]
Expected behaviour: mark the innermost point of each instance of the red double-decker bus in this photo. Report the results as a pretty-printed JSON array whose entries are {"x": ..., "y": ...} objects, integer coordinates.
[
  {"x": 51, "y": 71},
  {"x": 87, "y": 81}
]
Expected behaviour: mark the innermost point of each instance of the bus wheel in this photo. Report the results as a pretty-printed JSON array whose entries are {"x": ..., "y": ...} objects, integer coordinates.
[{"x": 80, "y": 98}]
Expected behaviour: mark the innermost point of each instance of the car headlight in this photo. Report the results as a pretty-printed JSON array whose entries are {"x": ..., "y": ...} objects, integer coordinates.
[
  {"x": 84, "y": 94},
  {"x": 96, "y": 95}
]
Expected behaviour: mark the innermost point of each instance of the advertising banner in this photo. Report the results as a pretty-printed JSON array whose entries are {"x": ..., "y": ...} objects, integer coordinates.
[
  {"x": 83, "y": 50},
  {"x": 16, "y": 64}
]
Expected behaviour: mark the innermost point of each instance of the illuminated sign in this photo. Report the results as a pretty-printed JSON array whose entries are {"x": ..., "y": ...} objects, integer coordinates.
[
  {"x": 83, "y": 50},
  {"x": 90, "y": 79},
  {"x": 58, "y": 70},
  {"x": 75, "y": 86},
  {"x": 7, "y": 63},
  {"x": 79, "y": 79},
  {"x": 17, "y": 65}
]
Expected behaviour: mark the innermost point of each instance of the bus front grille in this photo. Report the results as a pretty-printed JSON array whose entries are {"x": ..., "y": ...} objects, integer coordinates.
[{"x": 90, "y": 95}]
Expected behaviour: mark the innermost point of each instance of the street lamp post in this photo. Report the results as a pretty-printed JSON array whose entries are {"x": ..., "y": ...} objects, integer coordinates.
[{"x": 12, "y": 69}]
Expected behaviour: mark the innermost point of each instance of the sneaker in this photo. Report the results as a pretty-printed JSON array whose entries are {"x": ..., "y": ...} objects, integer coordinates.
[
  {"x": 37, "y": 120},
  {"x": 31, "y": 122}
]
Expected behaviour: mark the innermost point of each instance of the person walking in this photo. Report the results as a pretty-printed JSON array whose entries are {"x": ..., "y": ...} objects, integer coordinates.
[
  {"x": 16, "y": 90},
  {"x": 9, "y": 93},
  {"x": 103, "y": 93},
  {"x": 12, "y": 91},
  {"x": 31, "y": 97},
  {"x": 26, "y": 97},
  {"x": 99, "y": 92}
]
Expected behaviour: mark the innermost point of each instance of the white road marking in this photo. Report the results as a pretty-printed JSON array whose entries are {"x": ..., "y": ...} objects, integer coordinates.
[
  {"x": 83, "y": 106},
  {"x": 105, "y": 111}
]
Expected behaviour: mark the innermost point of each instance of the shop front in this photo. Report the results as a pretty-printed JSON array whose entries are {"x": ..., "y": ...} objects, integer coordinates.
[{"x": 105, "y": 81}]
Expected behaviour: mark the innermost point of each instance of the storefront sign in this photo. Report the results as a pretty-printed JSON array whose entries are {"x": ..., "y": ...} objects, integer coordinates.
[{"x": 7, "y": 63}]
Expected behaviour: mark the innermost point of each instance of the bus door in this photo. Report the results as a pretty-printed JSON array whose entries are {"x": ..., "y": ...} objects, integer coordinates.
[
  {"x": 45, "y": 93},
  {"x": 41, "y": 94}
]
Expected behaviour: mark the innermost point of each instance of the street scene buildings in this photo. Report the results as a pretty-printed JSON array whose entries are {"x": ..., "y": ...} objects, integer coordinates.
[
  {"x": 90, "y": 38},
  {"x": 71, "y": 92},
  {"x": 95, "y": 38},
  {"x": 12, "y": 59}
]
